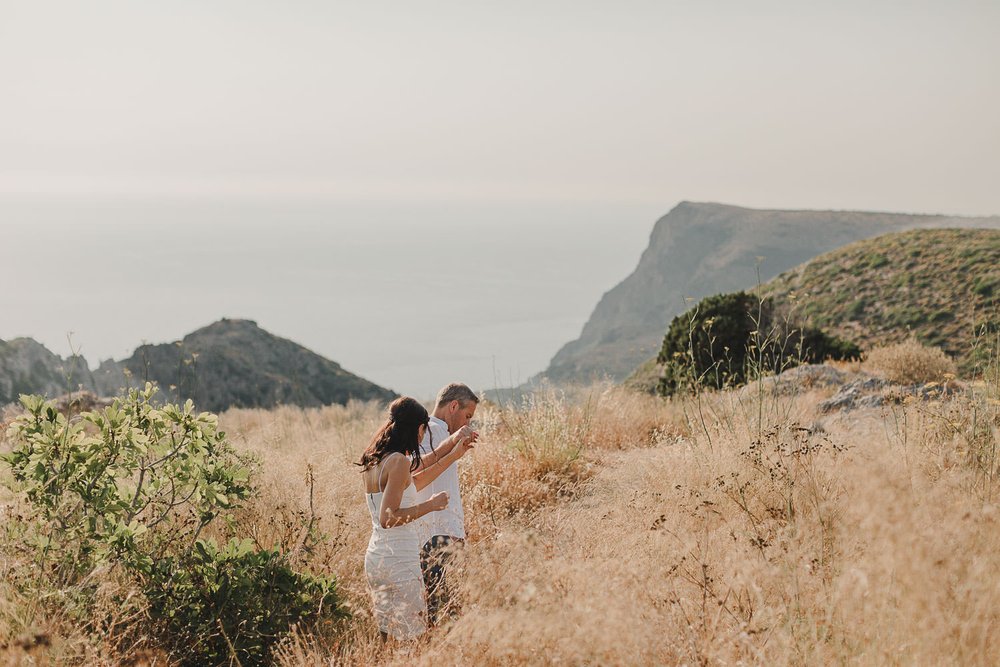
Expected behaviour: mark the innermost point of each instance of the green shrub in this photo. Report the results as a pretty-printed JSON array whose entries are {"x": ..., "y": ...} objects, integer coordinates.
[
  {"x": 728, "y": 339},
  {"x": 815, "y": 346},
  {"x": 134, "y": 486},
  {"x": 219, "y": 603},
  {"x": 707, "y": 345},
  {"x": 939, "y": 316}
]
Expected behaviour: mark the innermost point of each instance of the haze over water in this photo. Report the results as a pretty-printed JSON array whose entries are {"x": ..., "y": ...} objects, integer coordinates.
[{"x": 409, "y": 296}]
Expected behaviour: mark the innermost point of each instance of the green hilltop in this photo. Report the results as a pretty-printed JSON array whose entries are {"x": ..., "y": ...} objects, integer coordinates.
[{"x": 941, "y": 286}]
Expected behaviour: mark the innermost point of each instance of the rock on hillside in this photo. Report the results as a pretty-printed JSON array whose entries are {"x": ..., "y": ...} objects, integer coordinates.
[
  {"x": 235, "y": 363},
  {"x": 851, "y": 389},
  {"x": 28, "y": 367},
  {"x": 701, "y": 249}
]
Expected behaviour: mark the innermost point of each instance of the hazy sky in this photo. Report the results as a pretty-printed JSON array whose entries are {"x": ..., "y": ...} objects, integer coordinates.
[
  {"x": 453, "y": 120},
  {"x": 874, "y": 105}
]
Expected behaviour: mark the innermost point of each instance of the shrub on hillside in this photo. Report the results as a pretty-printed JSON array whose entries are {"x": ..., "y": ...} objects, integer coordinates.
[
  {"x": 132, "y": 488},
  {"x": 728, "y": 339},
  {"x": 911, "y": 362}
]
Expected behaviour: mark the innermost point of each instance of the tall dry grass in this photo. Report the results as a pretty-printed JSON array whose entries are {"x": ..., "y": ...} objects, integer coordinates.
[
  {"x": 703, "y": 536},
  {"x": 607, "y": 527},
  {"x": 911, "y": 362}
]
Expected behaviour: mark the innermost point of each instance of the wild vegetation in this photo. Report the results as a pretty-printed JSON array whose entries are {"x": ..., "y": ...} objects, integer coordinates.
[
  {"x": 610, "y": 527},
  {"x": 113, "y": 525},
  {"x": 910, "y": 362}
]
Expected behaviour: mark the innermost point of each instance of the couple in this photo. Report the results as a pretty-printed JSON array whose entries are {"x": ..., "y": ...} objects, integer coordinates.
[{"x": 411, "y": 484}]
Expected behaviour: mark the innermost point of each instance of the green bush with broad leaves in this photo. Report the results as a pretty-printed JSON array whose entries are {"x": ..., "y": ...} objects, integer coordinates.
[{"x": 134, "y": 486}]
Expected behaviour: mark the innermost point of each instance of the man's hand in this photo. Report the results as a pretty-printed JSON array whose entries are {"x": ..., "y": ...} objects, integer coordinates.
[{"x": 466, "y": 439}]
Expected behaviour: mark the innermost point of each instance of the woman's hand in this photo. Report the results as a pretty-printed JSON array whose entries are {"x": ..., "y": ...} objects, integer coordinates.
[{"x": 438, "y": 501}]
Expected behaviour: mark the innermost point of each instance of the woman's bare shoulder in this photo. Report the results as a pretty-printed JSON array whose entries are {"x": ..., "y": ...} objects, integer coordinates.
[{"x": 397, "y": 463}]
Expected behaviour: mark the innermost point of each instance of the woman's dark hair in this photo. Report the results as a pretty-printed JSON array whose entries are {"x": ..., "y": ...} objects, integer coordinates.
[{"x": 398, "y": 434}]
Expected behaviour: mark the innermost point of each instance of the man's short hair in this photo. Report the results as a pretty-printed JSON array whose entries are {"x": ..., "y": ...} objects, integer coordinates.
[{"x": 456, "y": 391}]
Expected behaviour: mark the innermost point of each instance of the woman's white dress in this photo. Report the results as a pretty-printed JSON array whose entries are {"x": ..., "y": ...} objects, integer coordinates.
[{"x": 392, "y": 565}]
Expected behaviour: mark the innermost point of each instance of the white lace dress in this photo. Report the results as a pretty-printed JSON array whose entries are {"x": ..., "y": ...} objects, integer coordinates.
[{"x": 392, "y": 565}]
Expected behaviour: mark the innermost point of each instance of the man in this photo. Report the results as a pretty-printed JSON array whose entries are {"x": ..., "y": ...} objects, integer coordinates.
[{"x": 445, "y": 530}]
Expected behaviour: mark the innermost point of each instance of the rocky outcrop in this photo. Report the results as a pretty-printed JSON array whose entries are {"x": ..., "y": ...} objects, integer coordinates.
[
  {"x": 873, "y": 392},
  {"x": 28, "y": 367},
  {"x": 852, "y": 390},
  {"x": 235, "y": 363},
  {"x": 231, "y": 363}
]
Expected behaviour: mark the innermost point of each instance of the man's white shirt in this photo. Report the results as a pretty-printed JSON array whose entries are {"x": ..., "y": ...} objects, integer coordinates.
[{"x": 450, "y": 520}]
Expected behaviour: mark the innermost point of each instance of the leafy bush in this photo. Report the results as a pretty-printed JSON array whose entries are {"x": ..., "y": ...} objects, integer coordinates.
[
  {"x": 708, "y": 343},
  {"x": 131, "y": 478},
  {"x": 216, "y": 604},
  {"x": 135, "y": 486},
  {"x": 727, "y": 339}
]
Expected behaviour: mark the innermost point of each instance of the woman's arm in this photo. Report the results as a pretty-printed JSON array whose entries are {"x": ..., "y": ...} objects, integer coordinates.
[
  {"x": 442, "y": 450},
  {"x": 463, "y": 440},
  {"x": 398, "y": 478}
]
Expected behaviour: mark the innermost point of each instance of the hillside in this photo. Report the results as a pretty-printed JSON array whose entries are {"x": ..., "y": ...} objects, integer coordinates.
[
  {"x": 940, "y": 285},
  {"x": 235, "y": 363},
  {"x": 231, "y": 363},
  {"x": 699, "y": 249}
]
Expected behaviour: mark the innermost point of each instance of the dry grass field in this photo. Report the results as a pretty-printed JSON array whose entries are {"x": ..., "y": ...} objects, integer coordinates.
[{"x": 613, "y": 528}]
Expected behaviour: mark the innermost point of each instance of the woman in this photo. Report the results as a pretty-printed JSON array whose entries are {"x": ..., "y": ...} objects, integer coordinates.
[{"x": 389, "y": 465}]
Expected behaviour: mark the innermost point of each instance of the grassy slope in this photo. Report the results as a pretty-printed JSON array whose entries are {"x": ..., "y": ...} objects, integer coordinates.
[{"x": 938, "y": 285}]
